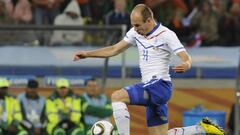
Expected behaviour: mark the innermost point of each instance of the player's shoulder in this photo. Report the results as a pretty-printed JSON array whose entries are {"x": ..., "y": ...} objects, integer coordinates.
[
  {"x": 166, "y": 31},
  {"x": 132, "y": 31},
  {"x": 168, "y": 34}
]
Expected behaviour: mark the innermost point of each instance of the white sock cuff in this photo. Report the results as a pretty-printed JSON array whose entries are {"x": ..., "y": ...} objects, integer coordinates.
[{"x": 118, "y": 105}]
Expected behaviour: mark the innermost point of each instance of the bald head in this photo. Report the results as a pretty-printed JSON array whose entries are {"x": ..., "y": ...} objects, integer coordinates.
[
  {"x": 142, "y": 19},
  {"x": 143, "y": 11}
]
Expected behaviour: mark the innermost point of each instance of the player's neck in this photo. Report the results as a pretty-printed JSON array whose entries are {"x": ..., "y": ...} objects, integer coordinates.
[{"x": 153, "y": 25}]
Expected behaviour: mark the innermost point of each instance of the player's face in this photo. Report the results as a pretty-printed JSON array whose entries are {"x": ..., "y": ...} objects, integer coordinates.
[{"x": 139, "y": 25}]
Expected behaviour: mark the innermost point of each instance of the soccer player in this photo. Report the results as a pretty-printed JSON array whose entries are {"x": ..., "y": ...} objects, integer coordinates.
[{"x": 155, "y": 43}]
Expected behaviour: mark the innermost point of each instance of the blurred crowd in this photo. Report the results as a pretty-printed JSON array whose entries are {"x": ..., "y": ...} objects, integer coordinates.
[
  {"x": 62, "y": 113},
  {"x": 196, "y": 22}
]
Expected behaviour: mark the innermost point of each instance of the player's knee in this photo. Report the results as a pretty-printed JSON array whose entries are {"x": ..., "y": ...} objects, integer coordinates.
[
  {"x": 118, "y": 96},
  {"x": 115, "y": 96}
]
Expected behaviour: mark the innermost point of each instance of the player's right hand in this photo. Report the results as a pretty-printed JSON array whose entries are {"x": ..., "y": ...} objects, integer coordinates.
[{"x": 80, "y": 55}]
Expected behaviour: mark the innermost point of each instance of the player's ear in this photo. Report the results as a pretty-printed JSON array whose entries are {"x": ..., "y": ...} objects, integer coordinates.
[{"x": 148, "y": 20}]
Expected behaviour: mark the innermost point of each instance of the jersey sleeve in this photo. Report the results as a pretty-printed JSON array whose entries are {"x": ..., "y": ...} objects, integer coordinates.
[
  {"x": 130, "y": 37},
  {"x": 174, "y": 43}
]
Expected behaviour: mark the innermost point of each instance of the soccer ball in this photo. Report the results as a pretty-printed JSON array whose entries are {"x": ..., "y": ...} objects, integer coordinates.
[{"x": 102, "y": 127}]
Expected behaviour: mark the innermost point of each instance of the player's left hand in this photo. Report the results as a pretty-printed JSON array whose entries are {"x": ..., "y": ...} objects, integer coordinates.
[
  {"x": 184, "y": 66},
  {"x": 80, "y": 55}
]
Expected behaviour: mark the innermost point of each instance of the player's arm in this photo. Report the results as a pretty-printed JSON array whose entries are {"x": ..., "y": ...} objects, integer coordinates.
[
  {"x": 186, "y": 62},
  {"x": 103, "y": 52}
]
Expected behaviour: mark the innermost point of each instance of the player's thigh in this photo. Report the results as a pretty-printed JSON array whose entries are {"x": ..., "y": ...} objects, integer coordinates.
[
  {"x": 158, "y": 130},
  {"x": 120, "y": 96},
  {"x": 160, "y": 91},
  {"x": 137, "y": 94}
]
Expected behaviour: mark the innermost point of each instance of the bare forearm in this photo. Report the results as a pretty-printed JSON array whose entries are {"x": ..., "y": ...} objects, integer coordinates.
[
  {"x": 187, "y": 60},
  {"x": 185, "y": 64},
  {"x": 103, "y": 52}
]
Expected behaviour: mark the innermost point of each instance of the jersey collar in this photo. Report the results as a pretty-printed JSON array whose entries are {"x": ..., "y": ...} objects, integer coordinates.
[{"x": 154, "y": 29}]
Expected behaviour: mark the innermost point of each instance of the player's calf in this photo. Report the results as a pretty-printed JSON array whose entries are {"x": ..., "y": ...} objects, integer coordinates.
[{"x": 120, "y": 111}]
